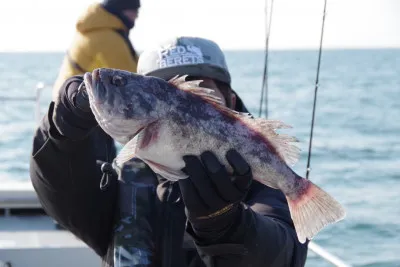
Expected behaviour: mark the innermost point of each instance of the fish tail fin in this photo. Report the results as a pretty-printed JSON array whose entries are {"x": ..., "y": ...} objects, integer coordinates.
[{"x": 312, "y": 210}]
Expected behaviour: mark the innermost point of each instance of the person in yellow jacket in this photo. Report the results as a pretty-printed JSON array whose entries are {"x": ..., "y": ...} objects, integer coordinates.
[{"x": 101, "y": 40}]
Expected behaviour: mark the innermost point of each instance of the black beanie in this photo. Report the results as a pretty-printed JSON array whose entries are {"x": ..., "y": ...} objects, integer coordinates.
[{"x": 119, "y": 5}]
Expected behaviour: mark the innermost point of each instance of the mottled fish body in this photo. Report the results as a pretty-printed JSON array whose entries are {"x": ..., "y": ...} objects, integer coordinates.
[{"x": 160, "y": 121}]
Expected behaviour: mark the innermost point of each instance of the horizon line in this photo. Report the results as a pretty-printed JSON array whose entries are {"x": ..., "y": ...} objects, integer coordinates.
[{"x": 233, "y": 49}]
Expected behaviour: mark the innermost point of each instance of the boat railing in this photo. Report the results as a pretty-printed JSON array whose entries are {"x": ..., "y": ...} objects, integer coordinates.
[
  {"x": 36, "y": 99},
  {"x": 314, "y": 247}
]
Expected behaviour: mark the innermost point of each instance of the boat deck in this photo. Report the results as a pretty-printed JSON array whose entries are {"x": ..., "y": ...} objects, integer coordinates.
[{"x": 30, "y": 238}]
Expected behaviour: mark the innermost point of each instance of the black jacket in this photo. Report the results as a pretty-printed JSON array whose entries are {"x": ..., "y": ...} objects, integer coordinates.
[{"x": 66, "y": 176}]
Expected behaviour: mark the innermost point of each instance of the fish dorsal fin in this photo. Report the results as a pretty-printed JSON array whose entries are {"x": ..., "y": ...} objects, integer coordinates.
[
  {"x": 281, "y": 142},
  {"x": 177, "y": 80},
  {"x": 194, "y": 88},
  {"x": 127, "y": 152},
  {"x": 206, "y": 93}
]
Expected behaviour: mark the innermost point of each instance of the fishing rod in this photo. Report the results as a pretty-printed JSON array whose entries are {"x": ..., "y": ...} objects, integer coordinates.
[
  {"x": 265, "y": 72},
  {"x": 315, "y": 92},
  {"x": 312, "y": 245}
]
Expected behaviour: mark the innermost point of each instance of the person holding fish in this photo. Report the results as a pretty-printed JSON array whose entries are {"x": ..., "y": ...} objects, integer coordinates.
[
  {"x": 101, "y": 40},
  {"x": 195, "y": 207}
]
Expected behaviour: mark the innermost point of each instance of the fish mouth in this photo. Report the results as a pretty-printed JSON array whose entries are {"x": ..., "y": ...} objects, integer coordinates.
[
  {"x": 93, "y": 80},
  {"x": 88, "y": 80}
]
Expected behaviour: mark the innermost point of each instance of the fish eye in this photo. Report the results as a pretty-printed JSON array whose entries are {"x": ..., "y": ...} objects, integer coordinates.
[{"x": 118, "y": 80}]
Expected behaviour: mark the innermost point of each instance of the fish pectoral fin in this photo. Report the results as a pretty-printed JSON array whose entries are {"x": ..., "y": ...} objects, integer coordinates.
[
  {"x": 127, "y": 152},
  {"x": 148, "y": 136},
  {"x": 164, "y": 171},
  {"x": 283, "y": 143}
]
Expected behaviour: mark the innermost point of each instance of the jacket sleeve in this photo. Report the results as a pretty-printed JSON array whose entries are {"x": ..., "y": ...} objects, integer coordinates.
[
  {"x": 263, "y": 236},
  {"x": 113, "y": 52},
  {"x": 66, "y": 179}
]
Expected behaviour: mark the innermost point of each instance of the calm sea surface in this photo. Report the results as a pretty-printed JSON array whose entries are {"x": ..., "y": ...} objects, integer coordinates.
[{"x": 356, "y": 145}]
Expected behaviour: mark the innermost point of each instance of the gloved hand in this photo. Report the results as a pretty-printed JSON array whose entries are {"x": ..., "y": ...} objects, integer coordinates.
[
  {"x": 72, "y": 115},
  {"x": 212, "y": 197}
]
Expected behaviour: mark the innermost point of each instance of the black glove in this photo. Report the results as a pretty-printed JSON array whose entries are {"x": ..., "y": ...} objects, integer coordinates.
[
  {"x": 213, "y": 197},
  {"x": 72, "y": 115}
]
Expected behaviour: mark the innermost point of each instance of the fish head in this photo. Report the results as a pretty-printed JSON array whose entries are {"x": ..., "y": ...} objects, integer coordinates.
[{"x": 122, "y": 102}]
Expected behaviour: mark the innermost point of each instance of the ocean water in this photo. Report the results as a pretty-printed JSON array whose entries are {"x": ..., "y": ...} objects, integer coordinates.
[{"x": 356, "y": 144}]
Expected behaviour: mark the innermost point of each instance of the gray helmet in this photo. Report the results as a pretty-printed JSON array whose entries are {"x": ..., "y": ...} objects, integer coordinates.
[{"x": 185, "y": 55}]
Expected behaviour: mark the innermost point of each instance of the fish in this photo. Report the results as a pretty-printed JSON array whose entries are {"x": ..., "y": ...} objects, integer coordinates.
[{"x": 159, "y": 121}]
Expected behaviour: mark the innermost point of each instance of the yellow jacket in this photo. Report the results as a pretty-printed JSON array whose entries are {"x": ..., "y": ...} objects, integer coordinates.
[{"x": 96, "y": 44}]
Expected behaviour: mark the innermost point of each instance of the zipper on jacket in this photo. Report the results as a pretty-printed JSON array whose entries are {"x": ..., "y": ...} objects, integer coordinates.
[{"x": 107, "y": 171}]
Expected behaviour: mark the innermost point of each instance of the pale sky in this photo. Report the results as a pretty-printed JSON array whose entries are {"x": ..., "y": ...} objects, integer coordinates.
[{"x": 48, "y": 25}]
